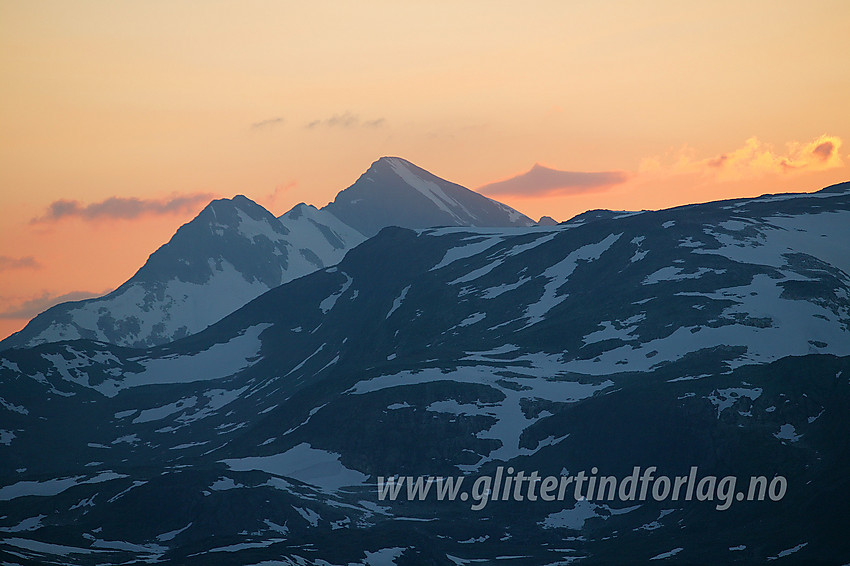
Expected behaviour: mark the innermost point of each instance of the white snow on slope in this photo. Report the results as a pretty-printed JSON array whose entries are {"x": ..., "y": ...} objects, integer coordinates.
[
  {"x": 510, "y": 420},
  {"x": 582, "y": 510},
  {"x": 219, "y": 360},
  {"x": 723, "y": 399},
  {"x": 473, "y": 244},
  {"x": 307, "y": 230},
  {"x": 397, "y": 302},
  {"x": 383, "y": 557},
  {"x": 559, "y": 273},
  {"x": 493, "y": 292},
  {"x": 825, "y": 236},
  {"x": 303, "y": 463},
  {"x": 788, "y": 551},
  {"x": 794, "y": 325},
  {"x": 51, "y": 487},
  {"x": 498, "y": 257},
  {"x": 47, "y": 548},
  {"x": 671, "y": 273},
  {"x": 788, "y": 432},
  {"x": 669, "y": 554},
  {"x": 429, "y": 189},
  {"x": 478, "y": 240},
  {"x": 163, "y": 411},
  {"x": 28, "y": 524},
  {"x": 255, "y": 229},
  {"x": 329, "y": 302},
  {"x": 186, "y": 306},
  {"x": 621, "y": 330}
]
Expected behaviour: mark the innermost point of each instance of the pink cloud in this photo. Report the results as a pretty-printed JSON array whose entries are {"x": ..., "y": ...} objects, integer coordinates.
[
  {"x": 755, "y": 159},
  {"x": 540, "y": 180},
  {"x": 27, "y": 262},
  {"x": 122, "y": 207}
]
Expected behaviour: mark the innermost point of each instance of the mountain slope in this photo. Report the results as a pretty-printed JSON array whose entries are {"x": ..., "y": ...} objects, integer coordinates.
[
  {"x": 319, "y": 233},
  {"x": 711, "y": 335},
  {"x": 233, "y": 251},
  {"x": 394, "y": 192}
]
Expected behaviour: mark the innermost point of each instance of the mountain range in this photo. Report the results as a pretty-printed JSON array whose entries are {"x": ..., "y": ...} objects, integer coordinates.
[
  {"x": 713, "y": 335},
  {"x": 235, "y": 250}
]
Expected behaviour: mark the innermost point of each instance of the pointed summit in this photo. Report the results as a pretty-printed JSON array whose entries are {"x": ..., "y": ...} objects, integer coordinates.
[
  {"x": 319, "y": 235},
  {"x": 395, "y": 192},
  {"x": 226, "y": 229}
]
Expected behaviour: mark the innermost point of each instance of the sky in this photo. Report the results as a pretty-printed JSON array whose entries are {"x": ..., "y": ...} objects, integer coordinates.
[{"x": 119, "y": 121}]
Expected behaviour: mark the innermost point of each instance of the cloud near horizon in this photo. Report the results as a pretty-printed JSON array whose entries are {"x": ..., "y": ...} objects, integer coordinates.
[
  {"x": 544, "y": 181},
  {"x": 27, "y": 262},
  {"x": 124, "y": 208},
  {"x": 756, "y": 159},
  {"x": 346, "y": 120},
  {"x": 269, "y": 123},
  {"x": 33, "y": 307}
]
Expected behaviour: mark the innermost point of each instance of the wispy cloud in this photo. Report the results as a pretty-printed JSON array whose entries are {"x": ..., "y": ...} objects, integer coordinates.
[
  {"x": 753, "y": 159},
  {"x": 346, "y": 120},
  {"x": 27, "y": 262},
  {"x": 37, "y": 305},
  {"x": 540, "y": 180},
  {"x": 271, "y": 199},
  {"x": 122, "y": 207},
  {"x": 269, "y": 123}
]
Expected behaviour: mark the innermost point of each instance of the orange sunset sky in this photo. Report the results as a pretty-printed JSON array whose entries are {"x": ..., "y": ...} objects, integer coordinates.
[{"x": 120, "y": 120}]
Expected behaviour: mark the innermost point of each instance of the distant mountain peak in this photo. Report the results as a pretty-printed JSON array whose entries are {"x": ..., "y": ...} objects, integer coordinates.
[
  {"x": 396, "y": 192},
  {"x": 231, "y": 205},
  {"x": 390, "y": 159},
  {"x": 391, "y": 165},
  {"x": 237, "y": 201},
  {"x": 298, "y": 211}
]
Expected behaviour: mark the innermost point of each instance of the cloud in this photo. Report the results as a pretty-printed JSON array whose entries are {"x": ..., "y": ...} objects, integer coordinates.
[
  {"x": 269, "y": 123},
  {"x": 33, "y": 307},
  {"x": 755, "y": 159},
  {"x": 27, "y": 262},
  {"x": 122, "y": 207},
  {"x": 271, "y": 199},
  {"x": 540, "y": 180},
  {"x": 346, "y": 120}
]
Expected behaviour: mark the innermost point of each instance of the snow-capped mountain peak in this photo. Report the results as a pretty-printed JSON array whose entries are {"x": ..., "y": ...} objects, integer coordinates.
[
  {"x": 395, "y": 192},
  {"x": 222, "y": 231}
]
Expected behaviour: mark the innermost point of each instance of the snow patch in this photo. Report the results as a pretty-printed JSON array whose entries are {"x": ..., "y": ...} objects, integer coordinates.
[{"x": 303, "y": 463}]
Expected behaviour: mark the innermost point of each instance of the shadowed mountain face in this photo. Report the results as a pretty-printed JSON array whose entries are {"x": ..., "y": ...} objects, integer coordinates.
[
  {"x": 394, "y": 192},
  {"x": 713, "y": 336}
]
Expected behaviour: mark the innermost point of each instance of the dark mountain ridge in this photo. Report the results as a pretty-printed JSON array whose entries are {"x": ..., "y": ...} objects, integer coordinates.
[{"x": 709, "y": 335}]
